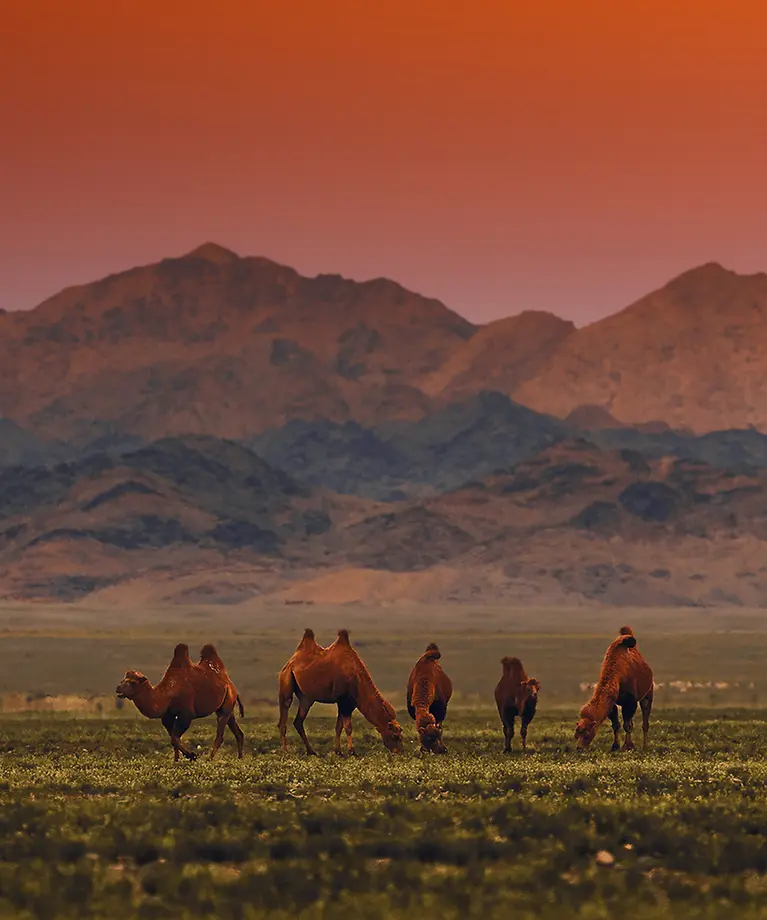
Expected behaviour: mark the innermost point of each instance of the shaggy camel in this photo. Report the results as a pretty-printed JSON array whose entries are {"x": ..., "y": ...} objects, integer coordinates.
[
  {"x": 626, "y": 680},
  {"x": 428, "y": 692},
  {"x": 515, "y": 695},
  {"x": 335, "y": 674},
  {"x": 188, "y": 691}
]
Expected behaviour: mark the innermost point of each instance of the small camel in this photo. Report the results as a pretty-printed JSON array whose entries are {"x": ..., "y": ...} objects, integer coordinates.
[
  {"x": 335, "y": 674},
  {"x": 626, "y": 680},
  {"x": 428, "y": 692},
  {"x": 188, "y": 691},
  {"x": 515, "y": 695}
]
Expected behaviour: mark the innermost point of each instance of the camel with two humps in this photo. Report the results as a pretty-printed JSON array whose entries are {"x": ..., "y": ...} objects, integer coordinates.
[
  {"x": 625, "y": 682},
  {"x": 188, "y": 691},
  {"x": 428, "y": 692},
  {"x": 335, "y": 674},
  {"x": 515, "y": 695}
]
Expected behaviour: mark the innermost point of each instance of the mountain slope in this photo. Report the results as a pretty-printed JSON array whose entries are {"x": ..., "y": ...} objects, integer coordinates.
[
  {"x": 215, "y": 344},
  {"x": 500, "y": 356},
  {"x": 692, "y": 354}
]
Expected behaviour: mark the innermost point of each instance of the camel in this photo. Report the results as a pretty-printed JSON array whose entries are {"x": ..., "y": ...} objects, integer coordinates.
[
  {"x": 515, "y": 695},
  {"x": 428, "y": 692},
  {"x": 188, "y": 691},
  {"x": 335, "y": 674},
  {"x": 625, "y": 681}
]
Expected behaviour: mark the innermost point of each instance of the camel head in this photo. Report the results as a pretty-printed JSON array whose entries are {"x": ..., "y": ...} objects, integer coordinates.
[
  {"x": 431, "y": 735},
  {"x": 391, "y": 735},
  {"x": 531, "y": 687},
  {"x": 586, "y": 729},
  {"x": 132, "y": 680}
]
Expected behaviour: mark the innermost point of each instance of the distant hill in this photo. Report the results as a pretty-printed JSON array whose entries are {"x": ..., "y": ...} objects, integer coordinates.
[
  {"x": 210, "y": 343},
  {"x": 692, "y": 354},
  {"x": 201, "y": 519}
]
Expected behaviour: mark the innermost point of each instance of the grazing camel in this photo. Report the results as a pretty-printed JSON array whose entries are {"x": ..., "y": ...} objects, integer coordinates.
[
  {"x": 188, "y": 691},
  {"x": 335, "y": 674},
  {"x": 626, "y": 680},
  {"x": 515, "y": 695},
  {"x": 428, "y": 692}
]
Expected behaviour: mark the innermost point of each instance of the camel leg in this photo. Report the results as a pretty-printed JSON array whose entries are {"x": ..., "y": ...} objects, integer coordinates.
[
  {"x": 181, "y": 725},
  {"x": 628, "y": 723},
  {"x": 523, "y": 733},
  {"x": 286, "y": 701},
  {"x": 616, "y": 723},
  {"x": 339, "y": 726},
  {"x": 304, "y": 705},
  {"x": 221, "y": 719},
  {"x": 239, "y": 737},
  {"x": 169, "y": 722},
  {"x": 349, "y": 743},
  {"x": 509, "y": 719},
  {"x": 646, "y": 706}
]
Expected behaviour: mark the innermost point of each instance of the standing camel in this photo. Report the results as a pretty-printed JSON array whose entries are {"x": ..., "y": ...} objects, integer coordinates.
[
  {"x": 626, "y": 680},
  {"x": 428, "y": 692},
  {"x": 515, "y": 695},
  {"x": 335, "y": 674},
  {"x": 188, "y": 691}
]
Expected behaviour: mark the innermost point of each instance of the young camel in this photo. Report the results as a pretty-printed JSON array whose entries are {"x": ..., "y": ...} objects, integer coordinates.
[
  {"x": 626, "y": 680},
  {"x": 428, "y": 692},
  {"x": 335, "y": 674},
  {"x": 188, "y": 691},
  {"x": 515, "y": 695}
]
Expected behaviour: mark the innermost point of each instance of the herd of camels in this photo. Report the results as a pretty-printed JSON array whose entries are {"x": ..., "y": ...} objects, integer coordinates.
[{"x": 336, "y": 674}]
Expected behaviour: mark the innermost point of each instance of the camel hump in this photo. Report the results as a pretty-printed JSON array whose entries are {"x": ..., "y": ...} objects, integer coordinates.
[
  {"x": 626, "y": 631},
  {"x": 308, "y": 633},
  {"x": 511, "y": 662},
  {"x": 628, "y": 641},
  {"x": 432, "y": 652},
  {"x": 343, "y": 637},
  {"x": 181, "y": 657},
  {"x": 208, "y": 653}
]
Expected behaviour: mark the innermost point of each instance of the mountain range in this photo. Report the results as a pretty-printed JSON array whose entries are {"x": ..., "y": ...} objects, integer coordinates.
[{"x": 215, "y": 428}]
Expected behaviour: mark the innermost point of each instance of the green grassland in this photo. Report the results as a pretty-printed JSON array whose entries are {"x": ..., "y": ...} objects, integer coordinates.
[{"x": 96, "y": 820}]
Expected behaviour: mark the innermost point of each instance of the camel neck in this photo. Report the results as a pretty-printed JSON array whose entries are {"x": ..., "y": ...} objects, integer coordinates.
[
  {"x": 603, "y": 700},
  {"x": 371, "y": 704},
  {"x": 148, "y": 701}
]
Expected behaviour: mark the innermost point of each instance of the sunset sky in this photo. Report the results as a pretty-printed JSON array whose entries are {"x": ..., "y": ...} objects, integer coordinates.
[{"x": 565, "y": 155}]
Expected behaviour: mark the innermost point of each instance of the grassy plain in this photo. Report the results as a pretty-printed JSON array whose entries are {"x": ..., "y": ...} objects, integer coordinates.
[{"x": 96, "y": 820}]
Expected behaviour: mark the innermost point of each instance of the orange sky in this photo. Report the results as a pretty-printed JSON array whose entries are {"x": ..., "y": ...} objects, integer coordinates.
[{"x": 502, "y": 155}]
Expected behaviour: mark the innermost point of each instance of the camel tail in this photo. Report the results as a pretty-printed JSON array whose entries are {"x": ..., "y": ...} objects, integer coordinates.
[
  {"x": 240, "y": 707},
  {"x": 432, "y": 652},
  {"x": 343, "y": 637}
]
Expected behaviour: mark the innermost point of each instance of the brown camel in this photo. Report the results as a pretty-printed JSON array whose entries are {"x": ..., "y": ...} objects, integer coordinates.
[
  {"x": 188, "y": 691},
  {"x": 428, "y": 692},
  {"x": 516, "y": 695},
  {"x": 626, "y": 680},
  {"x": 335, "y": 674}
]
